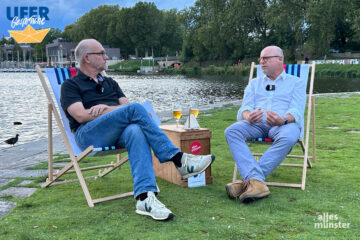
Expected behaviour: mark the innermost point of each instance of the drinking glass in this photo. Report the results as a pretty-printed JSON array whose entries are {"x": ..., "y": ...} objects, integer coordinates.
[
  {"x": 177, "y": 112},
  {"x": 194, "y": 108}
]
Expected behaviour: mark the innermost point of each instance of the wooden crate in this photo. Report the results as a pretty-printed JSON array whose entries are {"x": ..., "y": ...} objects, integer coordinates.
[{"x": 194, "y": 141}]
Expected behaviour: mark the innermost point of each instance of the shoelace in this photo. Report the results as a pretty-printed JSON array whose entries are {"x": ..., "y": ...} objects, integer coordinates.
[
  {"x": 153, "y": 201},
  {"x": 246, "y": 184},
  {"x": 195, "y": 158}
]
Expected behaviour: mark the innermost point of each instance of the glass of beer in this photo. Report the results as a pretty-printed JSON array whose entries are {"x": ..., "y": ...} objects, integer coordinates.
[
  {"x": 194, "y": 108},
  {"x": 177, "y": 112}
]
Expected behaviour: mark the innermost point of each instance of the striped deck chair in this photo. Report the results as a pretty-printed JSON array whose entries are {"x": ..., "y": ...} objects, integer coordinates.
[
  {"x": 302, "y": 71},
  {"x": 56, "y": 76}
]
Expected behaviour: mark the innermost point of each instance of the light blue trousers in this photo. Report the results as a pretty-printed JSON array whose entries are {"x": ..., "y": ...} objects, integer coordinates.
[
  {"x": 284, "y": 137},
  {"x": 130, "y": 126}
]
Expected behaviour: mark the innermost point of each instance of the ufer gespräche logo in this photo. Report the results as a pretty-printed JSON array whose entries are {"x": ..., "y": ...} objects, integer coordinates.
[{"x": 21, "y": 16}]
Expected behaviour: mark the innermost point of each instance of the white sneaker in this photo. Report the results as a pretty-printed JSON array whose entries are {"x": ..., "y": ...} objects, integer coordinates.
[
  {"x": 152, "y": 207},
  {"x": 193, "y": 164}
]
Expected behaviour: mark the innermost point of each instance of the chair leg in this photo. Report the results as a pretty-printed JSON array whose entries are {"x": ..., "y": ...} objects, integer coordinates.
[
  {"x": 303, "y": 179},
  {"x": 82, "y": 182},
  {"x": 50, "y": 143},
  {"x": 235, "y": 174},
  {"x": 116, "y": 165},
  {"x": 313, "y": 130}
]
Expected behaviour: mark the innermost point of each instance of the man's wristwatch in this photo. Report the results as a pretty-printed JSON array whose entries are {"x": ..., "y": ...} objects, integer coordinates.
[{"x": 285, "y": 121}]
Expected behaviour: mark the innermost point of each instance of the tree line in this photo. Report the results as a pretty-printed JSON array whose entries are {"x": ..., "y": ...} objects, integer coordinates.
[
  {"x": 231, "y": 29},
  {"x": 222, "y": 30},
  {"x": 140, "y": 30}
]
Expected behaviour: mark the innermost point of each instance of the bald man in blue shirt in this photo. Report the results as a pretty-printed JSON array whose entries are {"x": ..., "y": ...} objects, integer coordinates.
[{"x": 273, "y": 107}]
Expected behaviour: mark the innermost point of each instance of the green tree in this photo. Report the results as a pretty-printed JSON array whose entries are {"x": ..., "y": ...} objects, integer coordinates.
[
  {"x": 286, "y": 20},
  {"x": 326, "y": 24},
  {"x": 202, "y": 24},
  {"x": 122, "y": 32},
  {"x": 70, "y": 33},
  {"x": 218, "y": 30},
  {"x": 94, "y": 24},
  {"x": 146, "y": 26},
  {"x": 171, "y": 36}
]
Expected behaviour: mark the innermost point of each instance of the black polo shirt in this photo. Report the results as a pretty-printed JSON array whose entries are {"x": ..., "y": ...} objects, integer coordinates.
[{"x": 82, "y": 88}]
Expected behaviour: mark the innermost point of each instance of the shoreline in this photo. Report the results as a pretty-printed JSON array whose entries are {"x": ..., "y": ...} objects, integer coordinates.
[{"x": 165, "y": 116}]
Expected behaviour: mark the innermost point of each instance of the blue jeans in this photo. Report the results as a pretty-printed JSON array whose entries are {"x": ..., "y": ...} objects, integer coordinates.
[
  {"x": 130, "y": 126},
  {"x": 284, "y": 136}
]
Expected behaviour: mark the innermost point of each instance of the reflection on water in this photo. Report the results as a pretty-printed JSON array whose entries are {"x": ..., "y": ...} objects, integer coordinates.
[
  {"x": 162, "y": 91},
  {"x": 23, "y": 99}
]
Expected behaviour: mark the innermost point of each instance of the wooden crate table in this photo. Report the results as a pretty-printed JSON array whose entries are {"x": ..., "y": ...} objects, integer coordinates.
[{"x": 194, "y": 141}]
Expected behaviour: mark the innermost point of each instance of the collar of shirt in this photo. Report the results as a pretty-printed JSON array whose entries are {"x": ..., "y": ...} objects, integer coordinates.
[
  {"x": 282, "y": 76},
  {"x": 83, "y": 76}
]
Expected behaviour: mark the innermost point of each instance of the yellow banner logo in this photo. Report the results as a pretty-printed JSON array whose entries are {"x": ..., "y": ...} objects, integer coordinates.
[{"x": 29, "y": 35}]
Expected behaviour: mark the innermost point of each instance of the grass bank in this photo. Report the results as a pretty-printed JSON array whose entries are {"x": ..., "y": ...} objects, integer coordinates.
[
  {"x": 61, "y": 212},
  {"x": 210, "y": 70},
  {"x": 132, "y": 66},
  {"x": 322, "y": 70},
  {"x": 338, "y": 70}
]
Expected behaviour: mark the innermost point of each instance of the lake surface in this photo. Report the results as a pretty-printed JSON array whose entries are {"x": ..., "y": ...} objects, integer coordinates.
[{"x": 23, "y": 99}]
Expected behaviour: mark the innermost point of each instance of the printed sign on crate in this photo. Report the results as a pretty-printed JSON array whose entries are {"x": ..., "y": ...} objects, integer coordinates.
[{"x": 197, "y": 180}]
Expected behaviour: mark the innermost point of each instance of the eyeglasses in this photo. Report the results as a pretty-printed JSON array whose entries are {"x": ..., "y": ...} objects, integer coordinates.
[
  {"x": 99, "y": 86},
  {"x": 102, "y": 53},
  {"x": 266, "y": 58}
]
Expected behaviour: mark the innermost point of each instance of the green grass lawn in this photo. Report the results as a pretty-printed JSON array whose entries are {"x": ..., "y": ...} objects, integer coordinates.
[{"x": 61, "y": 211}]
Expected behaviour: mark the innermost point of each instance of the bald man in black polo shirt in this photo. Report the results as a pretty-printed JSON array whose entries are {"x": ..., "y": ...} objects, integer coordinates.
[{"x": 100, "y": 115}]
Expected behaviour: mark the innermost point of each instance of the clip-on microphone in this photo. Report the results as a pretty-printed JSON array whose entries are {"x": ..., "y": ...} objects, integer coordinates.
[{"x": 270, "y": 87}]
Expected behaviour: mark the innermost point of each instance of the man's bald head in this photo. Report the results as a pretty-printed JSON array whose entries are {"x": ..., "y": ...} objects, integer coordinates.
[
  {"x": 274, "y": 51},
  {"x": 83, "y": 47},
  {"x": 271, "y": 61}
]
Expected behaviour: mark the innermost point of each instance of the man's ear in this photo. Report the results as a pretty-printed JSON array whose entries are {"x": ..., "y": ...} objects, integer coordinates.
[
  {"x": 281, "y": 59},
  {"x": 86, "y": 58}
]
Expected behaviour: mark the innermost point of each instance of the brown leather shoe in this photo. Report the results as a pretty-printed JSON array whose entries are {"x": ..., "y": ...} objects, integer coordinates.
[
  {"x": 235, "y": 189},
  {"x": 254, "y": 190}
]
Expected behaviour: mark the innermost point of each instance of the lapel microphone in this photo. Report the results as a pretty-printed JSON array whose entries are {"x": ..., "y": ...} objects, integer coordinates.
[
  {"x": 99, "y": 86},
  {"x": 270, "y": 87}
]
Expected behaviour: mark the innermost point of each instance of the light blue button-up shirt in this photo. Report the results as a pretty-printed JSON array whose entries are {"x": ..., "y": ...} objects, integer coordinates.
[{"x": 289, "y": 96}]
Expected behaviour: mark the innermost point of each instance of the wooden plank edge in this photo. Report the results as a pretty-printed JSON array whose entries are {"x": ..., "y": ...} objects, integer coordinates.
[
  {"x": 128, "y": 194},
  {"x": 294, "y": 185}
]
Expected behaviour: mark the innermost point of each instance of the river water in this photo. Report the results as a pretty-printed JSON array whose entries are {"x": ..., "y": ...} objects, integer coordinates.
[{"x": 23, "y": 99}]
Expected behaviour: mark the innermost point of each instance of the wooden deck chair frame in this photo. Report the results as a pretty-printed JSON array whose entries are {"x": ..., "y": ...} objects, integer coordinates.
[
  {"x": 304, "y": 146},
  {"x": 75, "y": 159}
]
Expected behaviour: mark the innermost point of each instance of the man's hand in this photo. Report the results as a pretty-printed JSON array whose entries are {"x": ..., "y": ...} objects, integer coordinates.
[
  {"x": 123, "y": 100},
  {"x": 273, "y": 119},
  {"x": 254, "y": 116},
  {"x": 97, "y": 110}
]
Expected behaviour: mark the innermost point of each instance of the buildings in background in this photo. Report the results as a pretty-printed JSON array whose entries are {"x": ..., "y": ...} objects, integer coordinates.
[{"x": 59, "y": 53}]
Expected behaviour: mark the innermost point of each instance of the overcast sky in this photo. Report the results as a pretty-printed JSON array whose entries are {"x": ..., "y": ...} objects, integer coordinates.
[{"x": 65, "y": 12}]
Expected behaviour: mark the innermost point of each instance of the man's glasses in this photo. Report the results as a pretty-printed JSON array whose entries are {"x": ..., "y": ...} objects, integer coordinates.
[
  {"x": 265, "y": 59},
  {"x": 99, "y": 86},
  {"x": 102, "y": 53}
]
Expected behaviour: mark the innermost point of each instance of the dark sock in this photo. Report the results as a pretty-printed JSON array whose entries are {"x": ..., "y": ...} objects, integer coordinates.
[
  {"x": 142, "y": 196},
  {"x": 177, "y": 159}
]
